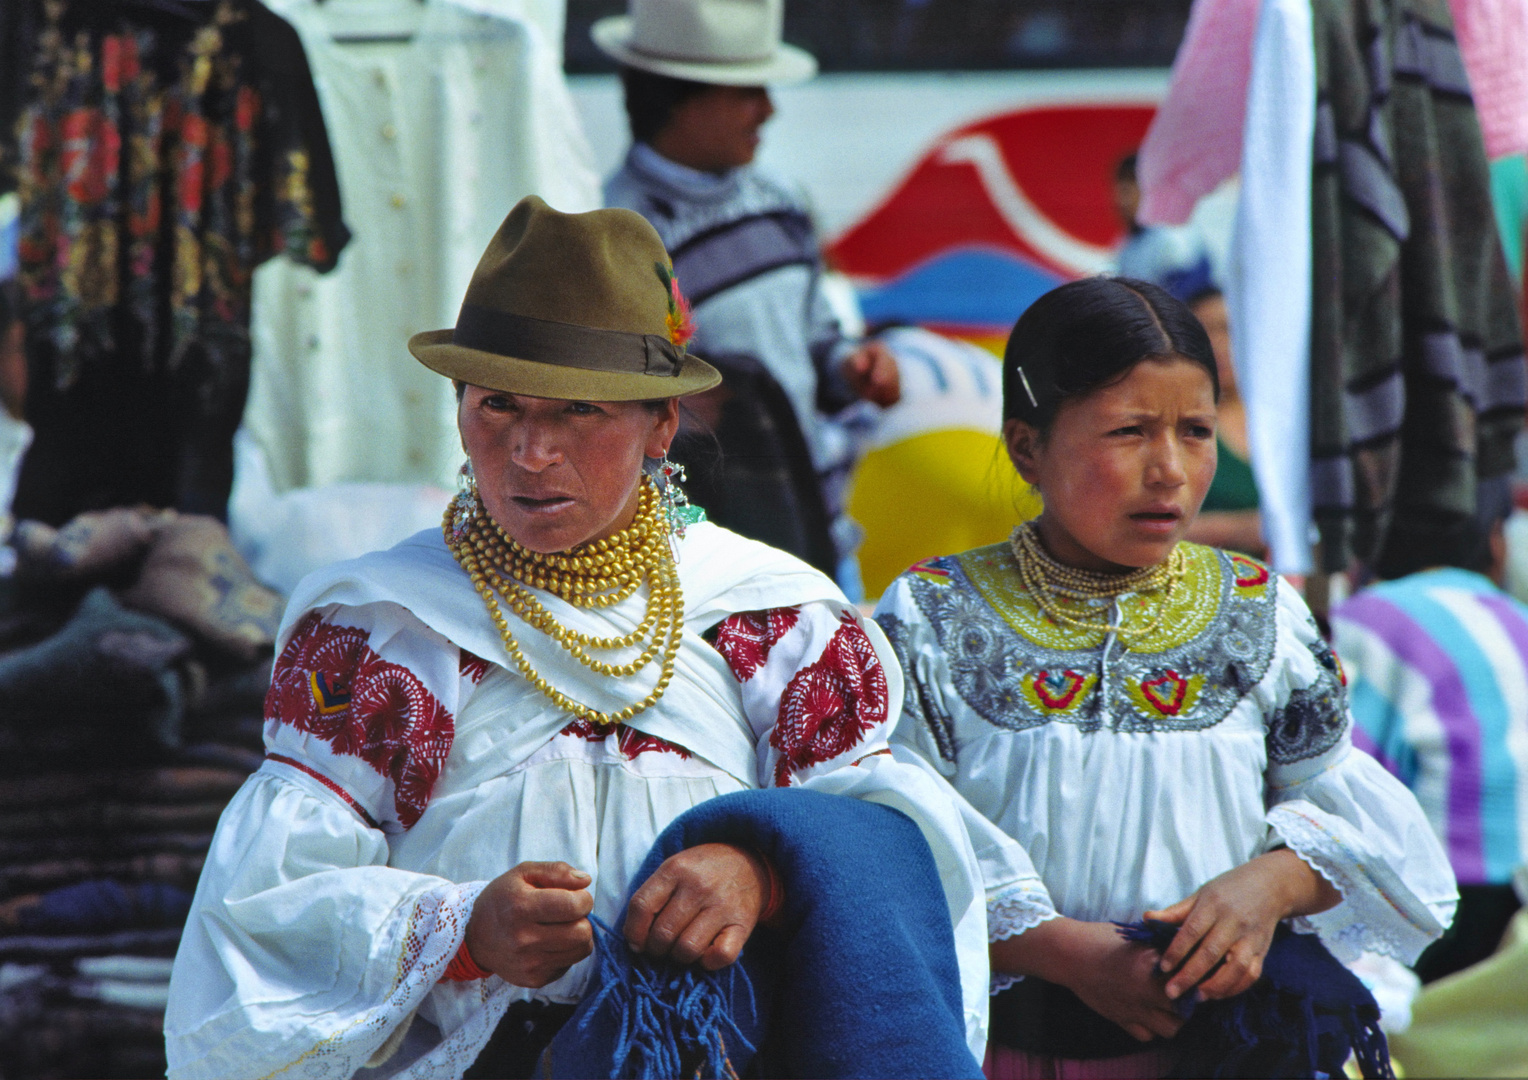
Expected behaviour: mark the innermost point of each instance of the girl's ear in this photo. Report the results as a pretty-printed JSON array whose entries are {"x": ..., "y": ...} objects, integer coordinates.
[{"x": 1025, "y": 448}]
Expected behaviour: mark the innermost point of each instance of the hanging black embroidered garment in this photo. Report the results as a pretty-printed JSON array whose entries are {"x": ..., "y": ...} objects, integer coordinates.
[{"x": 162, "y": 150}]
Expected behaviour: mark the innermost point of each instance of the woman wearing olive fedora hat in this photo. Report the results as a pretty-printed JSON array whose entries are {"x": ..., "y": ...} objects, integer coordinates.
[
  {"x": 696, "y": 75},
  {"x": 475, "y": 738}
]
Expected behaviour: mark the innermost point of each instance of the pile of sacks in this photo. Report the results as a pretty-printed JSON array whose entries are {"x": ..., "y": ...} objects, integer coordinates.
[{"x": 135, "y": 652}]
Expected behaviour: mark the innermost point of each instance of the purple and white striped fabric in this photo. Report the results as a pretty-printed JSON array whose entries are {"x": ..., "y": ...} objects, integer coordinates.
[{"x": 1437, "y": 667}]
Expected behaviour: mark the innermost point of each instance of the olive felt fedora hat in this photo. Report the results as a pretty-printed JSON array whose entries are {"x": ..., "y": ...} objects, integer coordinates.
[{"x": 579, "y": 307}]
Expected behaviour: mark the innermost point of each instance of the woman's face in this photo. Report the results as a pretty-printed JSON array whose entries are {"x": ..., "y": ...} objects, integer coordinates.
[
  {"x": 1124, "y": 469},
  {"x": 556, "y": 474}
]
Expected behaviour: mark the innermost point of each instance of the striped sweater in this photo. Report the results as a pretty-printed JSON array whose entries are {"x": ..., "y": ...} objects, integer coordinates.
[{"x": 1437, "y": 666}]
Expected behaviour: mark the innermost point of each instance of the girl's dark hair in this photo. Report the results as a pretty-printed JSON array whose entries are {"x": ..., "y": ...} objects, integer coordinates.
[
  {"x": 651, "y": 100},
  {"x": 1087, "y": 334}
]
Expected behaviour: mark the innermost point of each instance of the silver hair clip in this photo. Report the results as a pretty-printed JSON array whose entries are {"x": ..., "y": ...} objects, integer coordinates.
[{"x": 1025, "y": 380}]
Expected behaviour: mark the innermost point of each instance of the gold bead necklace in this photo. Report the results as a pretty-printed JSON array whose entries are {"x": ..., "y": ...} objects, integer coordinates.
[
  {"x": 594, "y": 575},
  {"x": 1055, "y": 586}
]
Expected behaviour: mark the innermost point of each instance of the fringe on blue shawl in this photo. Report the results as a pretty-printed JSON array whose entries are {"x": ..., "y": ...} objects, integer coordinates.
[
  {"x": 670, "y": 1020},
  {"x": 1303, "y": 1018},
  {"x": 858, "y": 978}
]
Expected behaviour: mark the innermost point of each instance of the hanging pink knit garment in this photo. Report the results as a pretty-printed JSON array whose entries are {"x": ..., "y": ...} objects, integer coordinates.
[
  {"x": 1195, "y": 142},
  {"x": 1493, "y": 37}
]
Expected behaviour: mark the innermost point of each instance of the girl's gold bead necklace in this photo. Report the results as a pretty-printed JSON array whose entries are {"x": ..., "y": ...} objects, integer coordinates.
[
  {"x": 1056, "y": 587},
  {"x": 593, "y": 575}
]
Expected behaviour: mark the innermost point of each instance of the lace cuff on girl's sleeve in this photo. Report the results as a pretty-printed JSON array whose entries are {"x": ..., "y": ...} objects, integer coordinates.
[{"x": 1013, "y": 910}]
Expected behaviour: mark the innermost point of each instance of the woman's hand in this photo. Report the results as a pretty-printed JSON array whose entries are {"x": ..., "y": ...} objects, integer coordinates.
[
  {"x": 701, "y": 904},
  {"x": 1115, "y": 978},
  {"x": 1225, "y": 928},
  {"x": 530, "y": 925}
]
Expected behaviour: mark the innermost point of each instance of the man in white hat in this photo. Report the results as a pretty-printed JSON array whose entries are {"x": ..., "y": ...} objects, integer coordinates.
[{"x": 696, "y": 74}]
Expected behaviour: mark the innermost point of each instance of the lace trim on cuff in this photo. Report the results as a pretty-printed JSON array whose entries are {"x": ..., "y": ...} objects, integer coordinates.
[
  {"x": 1371, "y": 916},
  {"x": 1012, "y": 911},
  {"x": 436, "y": 924},
  {"x": 1018, "y": 908}
]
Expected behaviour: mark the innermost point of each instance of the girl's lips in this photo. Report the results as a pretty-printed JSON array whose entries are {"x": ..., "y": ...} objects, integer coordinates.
[{"x": 1163, "y": 521}]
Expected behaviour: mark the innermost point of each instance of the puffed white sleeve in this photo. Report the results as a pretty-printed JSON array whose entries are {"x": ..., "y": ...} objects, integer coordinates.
[
  {"x": 305, "y": 954},
  {"x": 1016, "y": 897},
  {"x": 822, "y": 688},
  {"x": 1341, "y": 812}
]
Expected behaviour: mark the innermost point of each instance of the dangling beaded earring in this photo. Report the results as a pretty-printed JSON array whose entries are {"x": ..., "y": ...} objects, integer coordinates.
[
  {"x": 677, "y": 510},
  {"x": 464, "y": 506}
]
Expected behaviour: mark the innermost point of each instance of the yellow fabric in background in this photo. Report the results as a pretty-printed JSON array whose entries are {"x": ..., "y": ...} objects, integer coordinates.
[
  {"x": 938, "y": 493},
  {"x": 1474, "y": 1022}
]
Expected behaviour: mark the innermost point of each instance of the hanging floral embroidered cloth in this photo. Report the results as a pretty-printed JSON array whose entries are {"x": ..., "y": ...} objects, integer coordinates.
[{"x": 162, "y": 151}]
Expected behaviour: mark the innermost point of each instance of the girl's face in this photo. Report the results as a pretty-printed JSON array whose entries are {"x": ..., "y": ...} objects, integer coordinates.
[{"x": 1124, "y": 468}]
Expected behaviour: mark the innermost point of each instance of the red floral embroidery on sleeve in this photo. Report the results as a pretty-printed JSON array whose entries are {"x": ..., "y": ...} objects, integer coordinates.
[
  {"x": 473, "y": 667},
  {"x": 329, "y": 682},
  {"x": 745, "y": 639},
  {"x": 830, "y": 704}
]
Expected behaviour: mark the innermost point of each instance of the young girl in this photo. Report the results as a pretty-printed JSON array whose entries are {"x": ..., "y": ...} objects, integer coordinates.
[{"x": 1158, "y": 724}]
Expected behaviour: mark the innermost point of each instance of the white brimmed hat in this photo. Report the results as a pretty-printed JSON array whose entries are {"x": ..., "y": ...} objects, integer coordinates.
[{"x": 721, "y": 42}]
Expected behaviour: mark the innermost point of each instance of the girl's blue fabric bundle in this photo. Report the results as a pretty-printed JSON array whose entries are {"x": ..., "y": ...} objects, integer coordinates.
[
  {"x": 858, "y": 978},
  {"x": 1304, "y": 1018}
]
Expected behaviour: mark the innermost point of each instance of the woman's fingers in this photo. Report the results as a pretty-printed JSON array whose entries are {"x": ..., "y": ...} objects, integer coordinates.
[
  {"x": 645, "y": 907},
  {"x": 557, "y": 905},
  {"x": 725, "y": 948}
]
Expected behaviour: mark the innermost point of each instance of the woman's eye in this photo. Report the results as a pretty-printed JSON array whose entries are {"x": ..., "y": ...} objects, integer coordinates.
[
  {"x": 1201, "y": 431},
  {"x": 1133, "y": 429},
  {"x": 583, "y": 408},
  {"x": 497, "y": 402}
]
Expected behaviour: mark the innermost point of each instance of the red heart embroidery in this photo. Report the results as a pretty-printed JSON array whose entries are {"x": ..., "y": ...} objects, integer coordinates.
[
  {"x": 1058, "y": 691},
  {"x": 1166, "y": 703}
]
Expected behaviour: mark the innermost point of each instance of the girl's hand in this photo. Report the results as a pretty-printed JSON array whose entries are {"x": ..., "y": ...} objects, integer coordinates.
[
  {"x": 1115, "y": 978},
  {"x": 1225, "y": 928}
]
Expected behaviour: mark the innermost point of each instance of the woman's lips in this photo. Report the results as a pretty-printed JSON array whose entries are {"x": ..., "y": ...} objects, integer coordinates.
[{"x": 548, "y": 505}]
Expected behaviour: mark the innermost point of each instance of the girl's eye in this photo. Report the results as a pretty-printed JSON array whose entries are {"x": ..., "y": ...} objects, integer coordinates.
[
  {"x": 497, "y": 402},
  {"x": 582, "y": 408}
]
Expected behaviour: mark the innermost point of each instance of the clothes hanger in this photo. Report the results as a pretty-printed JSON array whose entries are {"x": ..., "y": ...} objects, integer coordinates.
[{"x": 374, "y": 22}]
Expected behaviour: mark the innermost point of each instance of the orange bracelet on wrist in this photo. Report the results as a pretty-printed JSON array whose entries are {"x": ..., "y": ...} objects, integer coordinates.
[
  {"x": 776, "y": 899},
  {"x": 463, "y": 968}
]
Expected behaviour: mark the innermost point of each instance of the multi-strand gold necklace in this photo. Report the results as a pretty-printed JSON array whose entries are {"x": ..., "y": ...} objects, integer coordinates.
[
  {"x": 1056, "y": 588},
  {"x": 593, "y": 575}
]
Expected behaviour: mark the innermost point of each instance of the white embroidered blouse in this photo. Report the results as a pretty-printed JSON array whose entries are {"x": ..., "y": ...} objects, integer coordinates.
[
  {"x": 1133, "y": 775},
  {"x": 407, "y": 767}
]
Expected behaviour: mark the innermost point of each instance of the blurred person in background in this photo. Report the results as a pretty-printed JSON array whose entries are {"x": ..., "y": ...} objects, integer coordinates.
[
  {"x": 1230, "y": 516},
  {"x": 744, "y": 248},
  {"x": 1150, "y": 252},
  {"x": 1436, "y": 656}
]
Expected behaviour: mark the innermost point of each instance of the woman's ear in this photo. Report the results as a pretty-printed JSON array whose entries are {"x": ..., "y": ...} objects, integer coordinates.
[
  {"x": 1025, "y": 448},
  {"x": 665, "y": 427}
]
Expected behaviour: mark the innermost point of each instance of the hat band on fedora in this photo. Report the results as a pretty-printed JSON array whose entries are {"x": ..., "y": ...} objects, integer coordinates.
[{"x": 564, "y": 344}]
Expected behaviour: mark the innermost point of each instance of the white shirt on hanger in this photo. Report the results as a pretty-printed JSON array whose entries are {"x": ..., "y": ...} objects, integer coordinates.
[{"x": 435, "y": 138}]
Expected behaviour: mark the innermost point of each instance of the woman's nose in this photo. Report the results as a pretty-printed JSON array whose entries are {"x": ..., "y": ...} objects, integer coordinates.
[{"x": 533, "y": 449}]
